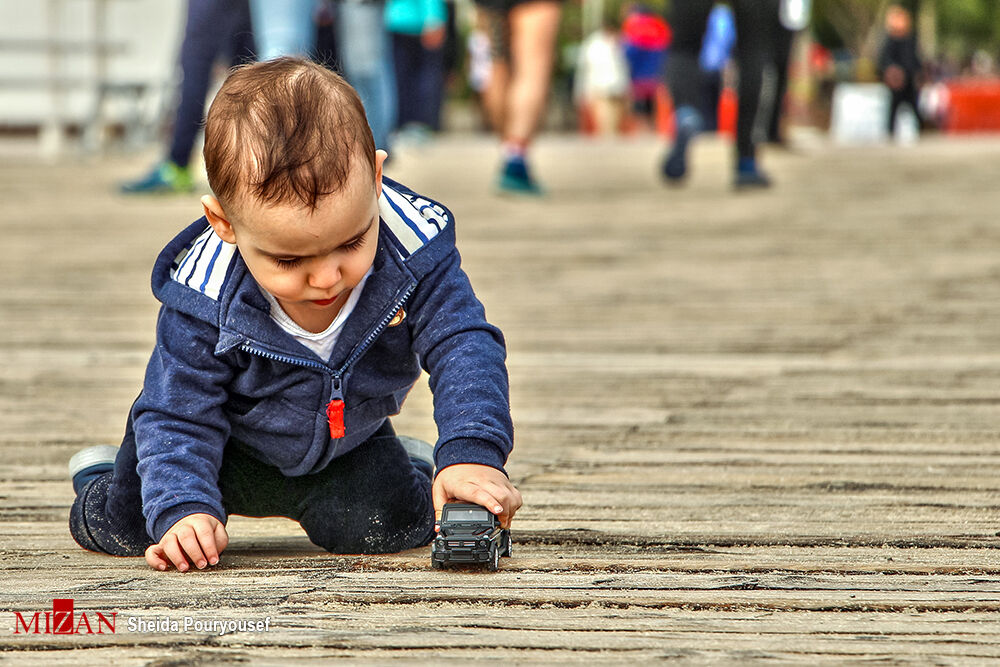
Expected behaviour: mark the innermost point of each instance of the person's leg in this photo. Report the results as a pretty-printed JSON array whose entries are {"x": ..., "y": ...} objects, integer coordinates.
[
  {"x": 366, "y": 62},
  {"x": 405, "y": 52},
  {"x": 754, "y": 45},
  {"x": 688, "y": 20},
  {"x": 896, "y": 99},
  {"x": 684, "y": 78},
  {"x": 430, "y": 86},
  {"x": 450, "y": 54},
  {"x": 199, "y": 50},
  {"x": 712, "y": 86},
  {"x": 107, "y": 514},
  {"x": 531, "y": 33},
  {"x": 913, "y": 98},
  {"x": 782, "y": 54},
  {"x": 207, "y": 21},
  {"x": 283, "y": 27},
  {"x": 375, "y": 499},
  {"x": 533, "y": 30},
  {"x": 493, "y": 24},
  {"x": 243, "y": 46},
  {"x": 371, "y": 500}
]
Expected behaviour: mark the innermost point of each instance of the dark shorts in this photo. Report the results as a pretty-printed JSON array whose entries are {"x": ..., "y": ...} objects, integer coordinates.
[
  {"x": 504, "y": 6},
  {"x": 493, "y": 20}
]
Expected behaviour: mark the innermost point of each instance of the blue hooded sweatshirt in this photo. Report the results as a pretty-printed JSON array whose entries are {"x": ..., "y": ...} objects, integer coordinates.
[{"x": 222, "y": 368}]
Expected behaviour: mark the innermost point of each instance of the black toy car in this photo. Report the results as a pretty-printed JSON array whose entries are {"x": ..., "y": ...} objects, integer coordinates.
[{"x": 469, "y": 533}]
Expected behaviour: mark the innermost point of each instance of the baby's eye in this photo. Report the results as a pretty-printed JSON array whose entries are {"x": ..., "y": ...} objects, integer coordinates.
[
  {"x": 355, "y": 244},
  {"x": 287, "y": 263}
]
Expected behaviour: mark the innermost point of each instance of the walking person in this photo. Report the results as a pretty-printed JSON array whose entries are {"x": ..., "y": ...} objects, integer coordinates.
[
  {"x": 899, "y": 64},
  {"x": 754, "y": 46},
  {"x": 647, "y": 37},
  {"x": 522, "y": 38},
  {"x": 213, "y": 28},
  {"x": 792, "y": 19}
]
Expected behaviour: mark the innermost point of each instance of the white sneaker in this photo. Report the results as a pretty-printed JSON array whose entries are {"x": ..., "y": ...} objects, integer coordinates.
[{"x": 90, "y": 463}]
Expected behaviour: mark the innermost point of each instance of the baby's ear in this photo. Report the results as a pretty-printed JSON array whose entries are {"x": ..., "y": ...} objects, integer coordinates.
[
  {"x": 217, "y": 218},
  {"x": 380, "y": 157}
]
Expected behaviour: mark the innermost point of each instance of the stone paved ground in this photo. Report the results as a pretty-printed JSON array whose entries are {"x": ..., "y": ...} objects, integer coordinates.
[{"x": 749, "y": 427}]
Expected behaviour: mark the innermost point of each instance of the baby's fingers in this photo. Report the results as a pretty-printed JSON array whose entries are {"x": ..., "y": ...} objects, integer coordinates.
[
  {"x": 481, "y": 496},
  {"x": 221, "y": 538},
  {"x": 190, "y": 542},
  {"x": 510, "y": 499},
  {"x": 156, "y": 558},
  {"x": 440, "y": 496},
  {"x": 172, "y": 548},
  {"x": 205, "y": 533}
]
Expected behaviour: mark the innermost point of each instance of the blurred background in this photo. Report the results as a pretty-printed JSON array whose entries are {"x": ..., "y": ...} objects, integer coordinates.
[
  {"x": 746, "y": 423},
  {"x": 89, "y": 75}
]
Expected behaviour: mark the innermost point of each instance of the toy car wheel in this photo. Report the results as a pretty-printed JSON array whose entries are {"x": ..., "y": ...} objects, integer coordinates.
[
  {"x": 437, "y": 565},
  {"x": 510, "y": 548},
  {"x": 494, "y": 562}
]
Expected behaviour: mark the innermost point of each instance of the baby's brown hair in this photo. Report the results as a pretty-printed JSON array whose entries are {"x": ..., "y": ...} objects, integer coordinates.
[{"x": 284, "y": 131}]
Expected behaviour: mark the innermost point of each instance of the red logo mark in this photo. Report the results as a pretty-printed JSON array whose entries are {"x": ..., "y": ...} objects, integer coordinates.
[{"x": 63, "y": 620}]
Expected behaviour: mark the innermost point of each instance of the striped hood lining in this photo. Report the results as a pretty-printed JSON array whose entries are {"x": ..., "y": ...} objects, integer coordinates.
[
  {"x": 203, "y": 265},
  {"x": 411, "y": 221}
]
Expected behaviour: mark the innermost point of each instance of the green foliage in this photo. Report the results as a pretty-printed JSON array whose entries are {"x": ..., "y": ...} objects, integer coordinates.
[
  {"x": 847, "y": 23},
  {"x": 963, "y": 25},
  {"x": 967, "y": 25}
]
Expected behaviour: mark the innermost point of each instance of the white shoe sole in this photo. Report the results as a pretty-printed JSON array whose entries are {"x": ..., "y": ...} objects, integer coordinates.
[{"x": 91, "y": 456}]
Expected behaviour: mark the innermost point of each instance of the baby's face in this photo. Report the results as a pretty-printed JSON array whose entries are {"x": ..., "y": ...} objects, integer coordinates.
[{"x": 311, "y": 260}]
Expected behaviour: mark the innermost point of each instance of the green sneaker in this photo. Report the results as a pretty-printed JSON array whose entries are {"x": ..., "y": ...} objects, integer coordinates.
[
  {"x": 516, "y": 179},
  {"x": 164, "y": 178}
]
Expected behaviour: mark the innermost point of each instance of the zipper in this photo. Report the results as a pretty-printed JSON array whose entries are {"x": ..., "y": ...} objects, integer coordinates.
[
  {"x": 284, "y": 358},
  {"x": 379, "y": 328},
  {"x": 335, "y": 406}
]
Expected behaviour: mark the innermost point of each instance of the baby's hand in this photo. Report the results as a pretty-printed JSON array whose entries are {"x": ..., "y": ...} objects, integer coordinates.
[
  {"x": 199, "y": 538},
  {"x": 474, "y": 483}
]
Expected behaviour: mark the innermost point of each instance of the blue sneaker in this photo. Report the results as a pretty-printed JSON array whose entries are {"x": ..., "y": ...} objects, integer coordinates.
[
  {"x": 421, "y": 454},
  {"x": 164, "y": 178},
  {"x": 91, "y": 463},
  {"x": 689, "y": 124},
  {"x": 749, "y": 176},
  {"x": 515, "y": 178}
]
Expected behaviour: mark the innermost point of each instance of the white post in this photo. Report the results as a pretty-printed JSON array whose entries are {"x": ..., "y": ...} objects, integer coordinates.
[{"x": 50, "y": 134}]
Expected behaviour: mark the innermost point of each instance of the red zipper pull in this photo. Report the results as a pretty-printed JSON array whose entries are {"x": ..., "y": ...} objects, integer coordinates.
[{"x": 335, "y": 415}]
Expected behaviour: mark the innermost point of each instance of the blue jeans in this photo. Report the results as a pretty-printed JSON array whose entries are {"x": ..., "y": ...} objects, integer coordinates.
[
  {"x": 419, "y": 81},
  {"x": 366, "y": 61},
  {"x": 212, "y": 27},
  {"x": 371, "y": 500},
  {"x": 286, "y": 27},
  {"x": 283, "y": 27}
]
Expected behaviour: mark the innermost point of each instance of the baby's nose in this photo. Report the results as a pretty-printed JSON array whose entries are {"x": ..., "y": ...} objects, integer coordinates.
[{"x": 325, "y": 274}]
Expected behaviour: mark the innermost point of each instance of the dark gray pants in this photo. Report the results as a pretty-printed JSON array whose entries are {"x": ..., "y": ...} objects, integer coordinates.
[
  {"x": 370, "y": 500},
  {"x": 755, "y": 23}
]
